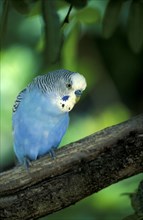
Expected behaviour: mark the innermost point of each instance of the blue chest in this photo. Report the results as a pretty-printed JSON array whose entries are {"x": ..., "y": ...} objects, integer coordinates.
[{"x": 38, "y": 126}]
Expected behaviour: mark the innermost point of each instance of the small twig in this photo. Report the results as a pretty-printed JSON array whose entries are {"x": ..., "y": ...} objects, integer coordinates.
[{"x": 66, "y": 20}]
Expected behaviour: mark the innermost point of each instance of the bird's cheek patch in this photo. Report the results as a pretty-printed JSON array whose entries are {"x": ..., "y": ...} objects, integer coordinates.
[
  {"x": 66, "y": 103},
  {"x": 65, "y": 98},
  {"x": 66, "y": 107}
]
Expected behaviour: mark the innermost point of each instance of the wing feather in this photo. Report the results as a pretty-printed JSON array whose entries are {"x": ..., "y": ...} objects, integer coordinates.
[{"x": 18, "y": 100}]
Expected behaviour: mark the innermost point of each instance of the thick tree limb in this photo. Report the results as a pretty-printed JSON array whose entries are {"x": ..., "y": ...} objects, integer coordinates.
[{"x": 80, "y": 169}]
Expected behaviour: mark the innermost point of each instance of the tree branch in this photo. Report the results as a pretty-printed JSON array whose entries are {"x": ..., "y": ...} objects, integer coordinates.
[{"x": 80, "y": 169}]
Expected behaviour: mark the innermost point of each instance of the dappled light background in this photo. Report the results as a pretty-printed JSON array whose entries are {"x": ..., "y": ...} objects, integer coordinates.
[{"x": 107, "y": 48}]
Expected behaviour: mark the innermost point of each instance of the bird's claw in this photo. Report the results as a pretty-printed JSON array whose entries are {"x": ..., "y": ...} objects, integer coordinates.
[{"x": 52, "y": 153}]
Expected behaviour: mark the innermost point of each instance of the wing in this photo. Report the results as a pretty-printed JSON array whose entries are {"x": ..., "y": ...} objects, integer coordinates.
[{"x": 18, "y": 99}]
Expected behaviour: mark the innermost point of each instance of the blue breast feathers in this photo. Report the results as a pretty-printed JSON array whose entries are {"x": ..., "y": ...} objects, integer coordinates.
[{"x": 37, "y": 126}]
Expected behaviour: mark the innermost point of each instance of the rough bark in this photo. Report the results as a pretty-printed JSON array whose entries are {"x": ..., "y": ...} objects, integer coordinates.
[{"x": 79, "y": 170}]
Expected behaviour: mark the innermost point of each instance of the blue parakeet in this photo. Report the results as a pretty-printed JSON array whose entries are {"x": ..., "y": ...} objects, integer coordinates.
[{"x": 41, "y": 113}]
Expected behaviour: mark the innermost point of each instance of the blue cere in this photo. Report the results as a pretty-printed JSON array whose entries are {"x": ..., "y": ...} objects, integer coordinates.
[{"x": 78, "y": 92}]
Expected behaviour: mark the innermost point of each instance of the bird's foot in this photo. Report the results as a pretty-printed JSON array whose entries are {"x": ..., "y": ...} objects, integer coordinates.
[
  {"x": 52, "y": 153},
  {"x": 27, "y": 163}
]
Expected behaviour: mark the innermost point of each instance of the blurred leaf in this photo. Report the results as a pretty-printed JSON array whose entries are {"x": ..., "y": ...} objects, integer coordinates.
[
  {"x": 18, "y": 65},
  {"x": 132, "y": 217},
  {"x": 110, "y": 19},
  {"x": 4, "y": 19},
  {"x": 21, "y": 6},
  {"x": 92, "y": 122},
  {"x": 77, "y": 3},
  {"x": 137, "y": 203},
  {"x": 52, "y": 31},
  {"x": 88, "y": 15},
  {"x": 135, "y": 26},
  {"x": 69, "y": 50},
  {"x": 36, "y": 9},
  {"x": 137, "y": 200}
]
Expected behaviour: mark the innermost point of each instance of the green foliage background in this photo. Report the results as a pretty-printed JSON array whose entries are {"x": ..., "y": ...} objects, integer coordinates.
[{"x": 103, "y": 40}]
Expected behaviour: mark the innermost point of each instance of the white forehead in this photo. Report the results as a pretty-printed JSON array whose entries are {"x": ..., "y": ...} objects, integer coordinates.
[{"x": 78, "y": 81}]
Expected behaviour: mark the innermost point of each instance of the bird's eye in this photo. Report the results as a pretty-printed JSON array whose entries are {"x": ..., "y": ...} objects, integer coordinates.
[{"x": 68, "y": 85}]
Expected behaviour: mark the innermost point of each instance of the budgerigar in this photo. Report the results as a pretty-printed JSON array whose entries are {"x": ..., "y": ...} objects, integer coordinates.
[{"x": 41, "y": 113}]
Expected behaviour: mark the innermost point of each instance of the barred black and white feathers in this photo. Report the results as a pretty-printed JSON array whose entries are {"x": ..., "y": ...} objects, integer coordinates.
[{"x": 60, "y": 82}]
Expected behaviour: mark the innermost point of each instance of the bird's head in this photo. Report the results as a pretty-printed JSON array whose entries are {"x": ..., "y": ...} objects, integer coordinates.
[{"x": 69, "y": 88}]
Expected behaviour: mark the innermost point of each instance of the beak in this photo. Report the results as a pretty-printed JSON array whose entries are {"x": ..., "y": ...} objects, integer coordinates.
[{"x": 78, "y": 95}]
